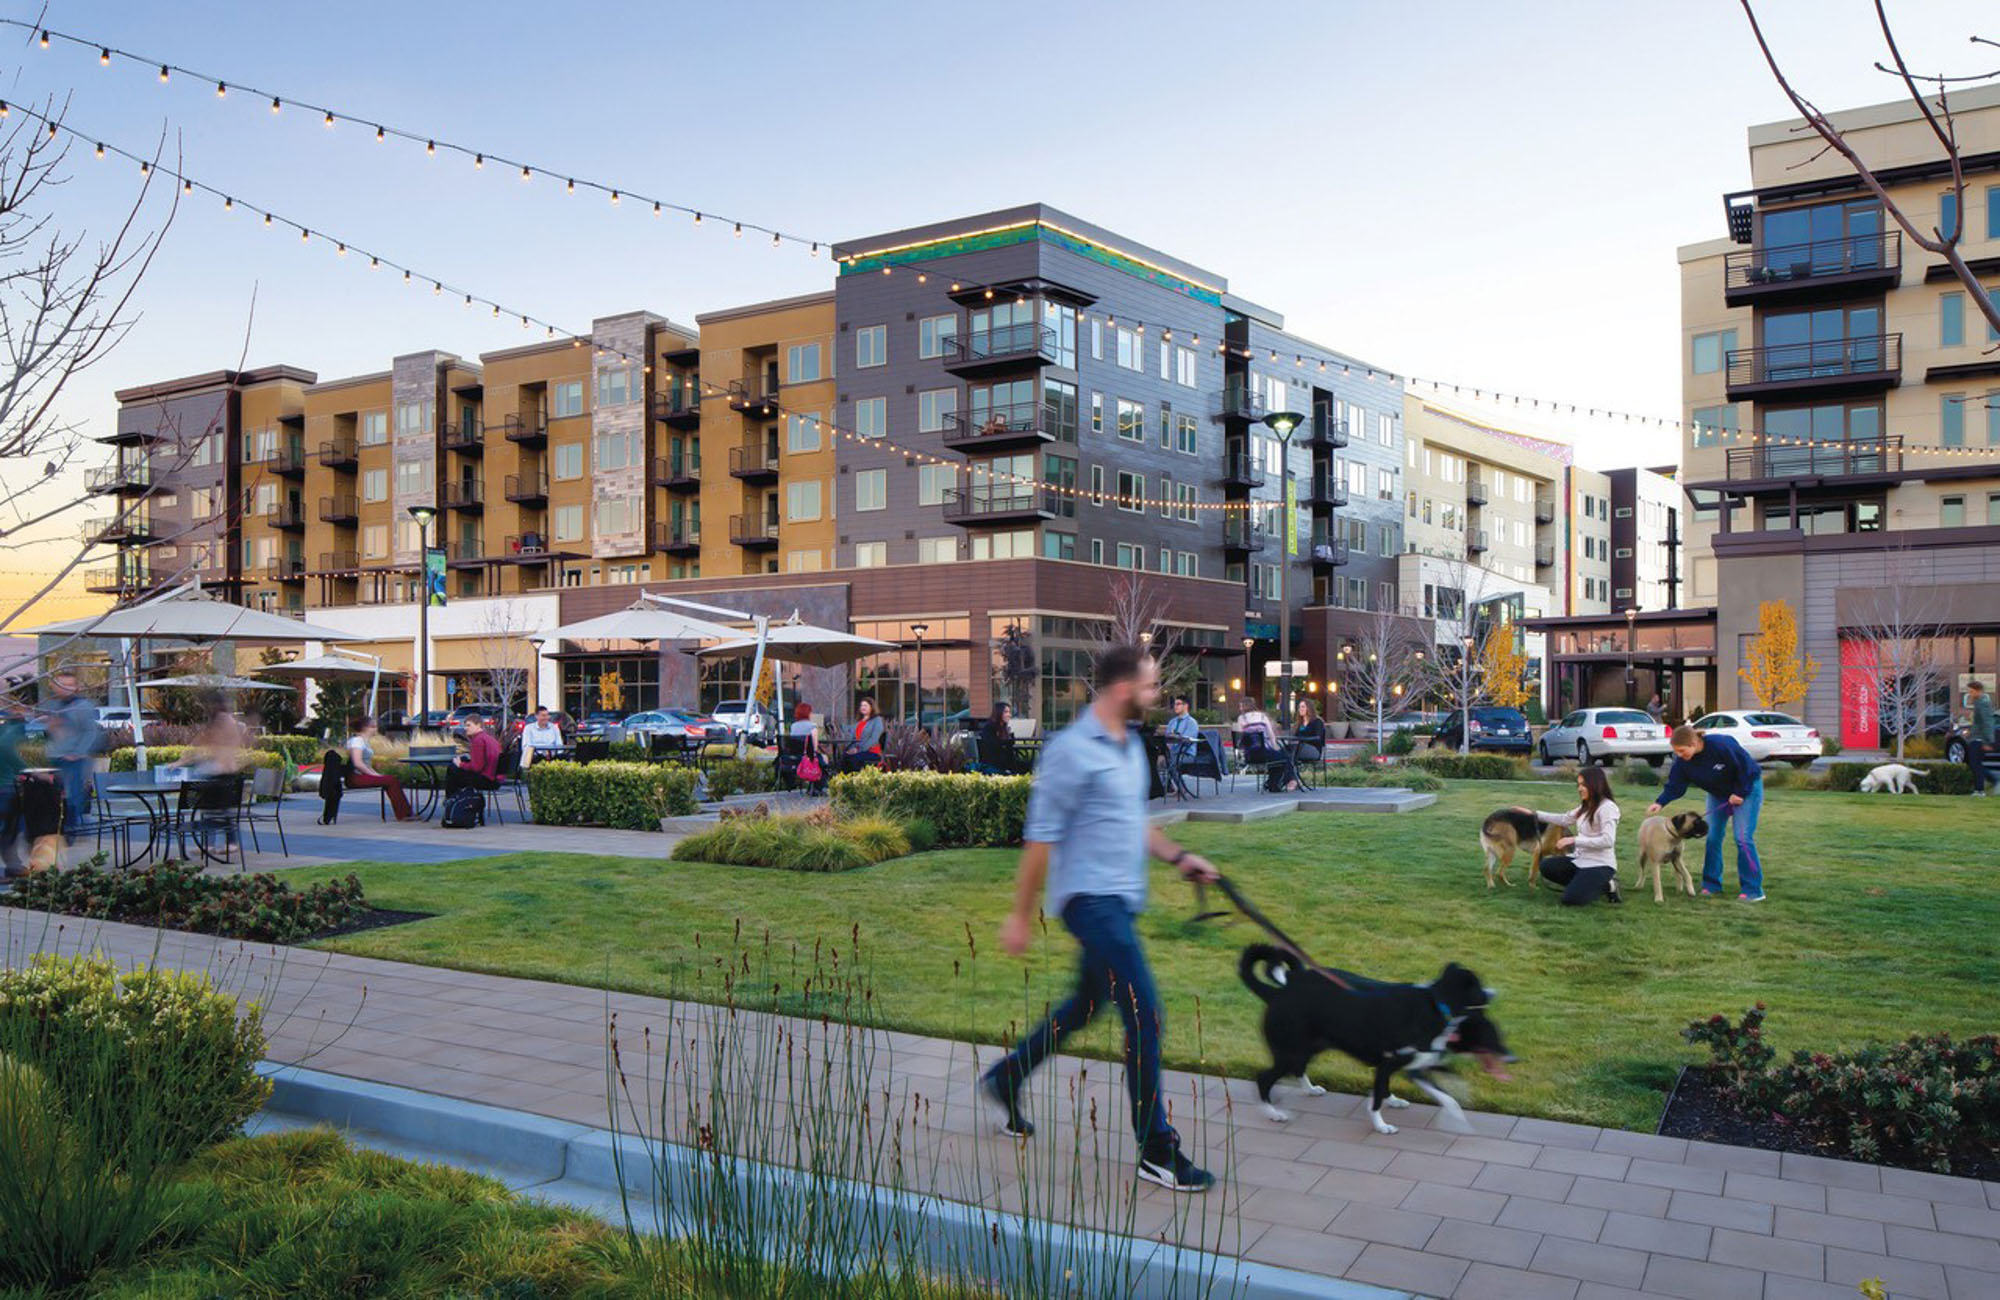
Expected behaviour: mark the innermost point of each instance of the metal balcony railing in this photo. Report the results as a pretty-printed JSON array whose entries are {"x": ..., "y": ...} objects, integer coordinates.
[{"x": 1795, "y": 264}]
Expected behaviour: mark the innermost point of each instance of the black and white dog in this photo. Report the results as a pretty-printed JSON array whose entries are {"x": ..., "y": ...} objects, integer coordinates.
[{"x": 1409, "y": 1028}]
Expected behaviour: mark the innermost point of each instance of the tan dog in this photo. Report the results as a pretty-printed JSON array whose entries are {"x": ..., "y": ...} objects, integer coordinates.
[
  {"x": 1505, "y": 833},
  {"x": 1660, "y": 845}
]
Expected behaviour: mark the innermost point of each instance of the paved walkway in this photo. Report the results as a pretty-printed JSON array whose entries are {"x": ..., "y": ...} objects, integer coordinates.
[{"x": 1523, "y": 1208}]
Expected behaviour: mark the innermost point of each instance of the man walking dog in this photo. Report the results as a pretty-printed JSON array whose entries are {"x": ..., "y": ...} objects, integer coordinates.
[
  {"x": 1735, "y": 787},
  {"x": 1978, "y": 734},
  {"x": 1087, "y": 835}
]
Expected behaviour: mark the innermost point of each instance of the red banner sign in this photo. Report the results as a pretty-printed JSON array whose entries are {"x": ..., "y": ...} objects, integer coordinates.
[{"x": 1860, "y": 696}]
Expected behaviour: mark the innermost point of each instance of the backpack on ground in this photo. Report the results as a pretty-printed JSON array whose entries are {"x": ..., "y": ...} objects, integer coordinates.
[{"x": 463, "y": 809}]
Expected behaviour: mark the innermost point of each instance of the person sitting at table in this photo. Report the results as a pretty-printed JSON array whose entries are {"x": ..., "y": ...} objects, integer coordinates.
[
  {"x": 996, "y": 741},
  {"x": 1308, "y": 733},
  {"x": 540, "y": 737},
  {"x": 218, "y": 746},
  {"x": 361, "y": 773},
  {"x": 1184, "y": 730},
  {"x": 1258, "y": 738},
  {"x": 478, "y": 768},
  {"x": 865, "y": 748}
]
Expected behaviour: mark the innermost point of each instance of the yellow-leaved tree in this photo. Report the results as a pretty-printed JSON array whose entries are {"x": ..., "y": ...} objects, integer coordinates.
[
  {"x": 1505, "y": 667},
  {"x": 1773, "y": 667},
  {"x": 611, "y": 691}
]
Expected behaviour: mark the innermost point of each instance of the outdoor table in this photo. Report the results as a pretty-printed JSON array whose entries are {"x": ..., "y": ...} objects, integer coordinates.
[{"x": 431, "y": 767}]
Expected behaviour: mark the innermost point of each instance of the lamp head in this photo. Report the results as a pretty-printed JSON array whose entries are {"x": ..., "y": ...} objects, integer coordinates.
[
  {"x": 423, "y": 514},
  {"x": 1283, "y": 422}
]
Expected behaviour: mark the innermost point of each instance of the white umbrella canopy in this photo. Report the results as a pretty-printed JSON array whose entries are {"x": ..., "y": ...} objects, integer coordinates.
[
  {"x": 189, "y": 614},
  {"x": 214, "y": 682},
  {"x": 802, "y": 643},
  {"x": 643, "y": 622},
  {"x": 325, "y": 668}
]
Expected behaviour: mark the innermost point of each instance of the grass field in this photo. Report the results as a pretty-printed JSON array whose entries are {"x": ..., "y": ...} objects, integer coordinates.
[{"x": 1882, "y": 921}]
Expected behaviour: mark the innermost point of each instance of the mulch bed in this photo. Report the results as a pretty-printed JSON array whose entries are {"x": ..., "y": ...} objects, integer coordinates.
[
  {"x": 1701, "y": 1109},
  {"x": 376, "y": 918}
]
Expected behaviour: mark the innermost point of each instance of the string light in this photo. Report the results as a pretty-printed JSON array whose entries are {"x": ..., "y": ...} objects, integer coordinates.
[
  {"x": 380, "y": 135},
  {"x": 45, "y": 38},
  {"x": 221, "y": 90},
  {"x": 104, "y": 57},
  {"x": 163, "y": 74},
  {"x": 329, "y": 119},
  {"x": 277, "y": 105}
]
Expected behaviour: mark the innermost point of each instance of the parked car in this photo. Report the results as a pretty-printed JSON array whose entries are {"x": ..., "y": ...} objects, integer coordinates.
[
  {"x": 699, "y": 724},
  {"x": 118, "y": 715},
  {"x": 1599, "y": 735},
  {"x": 672, "y": 723},
  {"x": 564, "y": 723},
  {"x": 1955, "y": 749},
  {"x": 454, "y": 721},
  {"x": 1492, "y": 728},
  {"x": 1766, "y": 735},
  {"x": 741, "y": 716},
  {"x": 602, "y": 723}
]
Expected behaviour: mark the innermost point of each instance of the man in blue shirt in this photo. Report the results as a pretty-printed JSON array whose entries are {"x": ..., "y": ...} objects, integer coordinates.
[
  {"x": 1735, "y": 787},
  {"x": 1087, "y": 835}
]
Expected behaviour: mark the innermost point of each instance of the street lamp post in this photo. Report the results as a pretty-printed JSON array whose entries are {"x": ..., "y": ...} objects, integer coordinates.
[
  {"x": 918, "y": 630},
  {"x": 423, "y": 515},
  {"x": 1250, "y": 687},
  {"x": 1631, "y": 644},
  {"x": 1283, "y": 423}
]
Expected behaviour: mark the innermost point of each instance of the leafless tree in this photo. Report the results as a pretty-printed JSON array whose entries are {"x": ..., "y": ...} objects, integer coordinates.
[
  {"x": 1383, "y": 666},
  {"x": 1937, "y": 115},
  {"x": 1903, "y": 627},
  {"x": 1136, "y": 614},
  {"x": 1015, "y": 667},
  {"x": 1452, "y": 672},
  {"x": 503, "y": 633}
]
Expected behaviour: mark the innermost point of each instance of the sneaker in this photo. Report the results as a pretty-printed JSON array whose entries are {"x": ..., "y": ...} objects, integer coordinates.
[
  {"x": 1617, "y": 899},
  {"x": 1711, "y": 893},
  {"x": 1749, "y": 898},
  {"x": 1175, "y": 1172},
  {"x": 1012, "y": 1122}
]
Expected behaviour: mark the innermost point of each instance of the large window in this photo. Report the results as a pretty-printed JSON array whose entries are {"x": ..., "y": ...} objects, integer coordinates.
[
  {"x": 871, "y": 417},
  {"x": 1131, "y": 491},
  {"x": 568, "y": 523},
  {"x": 937, "y": 550},
  {"x": 617, "y": 515},
  {"x": 1827, "y": 238},
  {"x": 568, "y": 460},
  {"x": 871, "y": 555},
  {"x": 618, "y": 385},
  {"x": 566, "y": 399},
  {"x": 802, "y": 363},
  {"x": 638, "y": 684},
  {"x": 413, "y": 478},
  {"x": 802, "y": 431},
  {"x": 871, "y": 347},
  {"x": 1131, "y": 348},
  {"x": 375, "y": 485},
  {"x": 619, "y": 450},
  {"x": 374, "y": 428},
  {"x": 934, "y": 334},
  {"x": 933, "y": 481},
  {"x": 1011, "y": 545},
  {"x": 374, "y": 541},
  {"x": 1060, "y": 320},
  {"x": 1059, "y": 409},
  {"x": 933, "y": 405},
  {"x": 1187, "y": 435},
  {"x": 1826, "y": 341},
  {"x": 871, "y": 489},
  {"x": 1131, "y": 421},
  {"x": 802, "y": 500},
  {"x": 414, "y": 418},
  {"x": 1711, "y": 351}
]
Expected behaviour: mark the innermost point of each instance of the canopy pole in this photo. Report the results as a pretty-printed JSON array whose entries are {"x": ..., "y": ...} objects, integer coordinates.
[
  {"x": 132, "y": 698},
  {"x": 756, "y": 679}
]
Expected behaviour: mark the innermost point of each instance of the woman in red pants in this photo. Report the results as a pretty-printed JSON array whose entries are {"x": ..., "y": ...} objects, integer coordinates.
[{"x": 362, "y": 774}]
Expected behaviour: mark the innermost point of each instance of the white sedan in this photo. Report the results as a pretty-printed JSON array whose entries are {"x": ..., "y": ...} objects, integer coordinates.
[
  {"x": 1766, "y": 736},
  {"x": 1599, "y": 735}
]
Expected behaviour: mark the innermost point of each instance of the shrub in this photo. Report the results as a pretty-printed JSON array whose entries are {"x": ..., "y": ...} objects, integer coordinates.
[
  {"x": 1829, "y": 745},
  {"x": 296, "y": 750},
  {"x": 1933, "y": 778},
  {"x": 625, "y": 796},
  {"x": 1475, "y": 767},
  {"x": 1638, "y": 774},
  {"x": 878, "y": 837},
  {"x": 1367, "y": 774},
  {"x": 816, "y": 841},
  {"x": 127, "y": 759},
  {"x": 1922, "y": 747},
  {"x": 734, "y": 776},
  {"x": 626, "y": 751},
  {"x": 1400, "y": 743},
  {"x": 178, "y": 896},
  {"x": 1737, "y": 1051},
  {"x": 965, "y": 811},
  {"x": 922, "y": 833}
]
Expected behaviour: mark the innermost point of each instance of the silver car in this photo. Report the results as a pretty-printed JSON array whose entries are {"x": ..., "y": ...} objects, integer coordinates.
[{"x": 1600, "y": 735}]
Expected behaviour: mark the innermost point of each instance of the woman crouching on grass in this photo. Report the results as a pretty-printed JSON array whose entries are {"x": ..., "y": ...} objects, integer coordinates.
[{"x": 1586, "y": 865}]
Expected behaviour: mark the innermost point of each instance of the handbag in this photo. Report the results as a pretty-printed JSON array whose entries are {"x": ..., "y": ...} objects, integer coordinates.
[{"x": 810, "y": 771}]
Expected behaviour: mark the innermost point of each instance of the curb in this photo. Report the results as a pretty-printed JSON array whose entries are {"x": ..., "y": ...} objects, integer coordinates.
[{"x": 579, "y": 1166}]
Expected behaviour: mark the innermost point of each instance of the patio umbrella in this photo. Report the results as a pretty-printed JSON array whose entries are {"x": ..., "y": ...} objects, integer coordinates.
[
  {"x": 802, "y": 643},
  {"x": 331, "y": 668},
  {"x": 214, "y": 682},
  {"x": 644, "y": 621}
]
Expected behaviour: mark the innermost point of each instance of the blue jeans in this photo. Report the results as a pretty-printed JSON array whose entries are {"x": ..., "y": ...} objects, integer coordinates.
[
  {"x": 1112, "y": 968},
  {"x": 1975, "y": 756},
  {"x": 74, "y": 774},
  {"x": 1743, "y": 820}
]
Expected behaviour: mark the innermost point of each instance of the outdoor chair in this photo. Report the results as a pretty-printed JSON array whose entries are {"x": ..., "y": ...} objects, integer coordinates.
[
  {"x": 1245, "y": 765},
  {"x": 508, "y": 774},
  {"x": 264, "y": 802},
  {"x": 1205, "y": 764},
  {"x": 117, "y": 806},
  {"x": 590, "y": 749},
  {"x": 210, "y": 807}
]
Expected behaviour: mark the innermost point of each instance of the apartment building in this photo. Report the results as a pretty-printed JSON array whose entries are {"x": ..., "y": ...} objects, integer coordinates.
[{"x": 1840, "y": 393}]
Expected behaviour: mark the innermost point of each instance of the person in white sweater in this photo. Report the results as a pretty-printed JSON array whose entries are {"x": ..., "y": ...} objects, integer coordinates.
[{"x": 1586, "y": 865}]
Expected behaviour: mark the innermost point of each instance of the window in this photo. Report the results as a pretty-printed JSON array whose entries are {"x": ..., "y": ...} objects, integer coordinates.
[
  {"x": 871, "y": 489},
  {"x": 1951, "y": 419},
  {"x": 802, "y": 500},
  {"x": 1059, "y": 409},
  {"x": 934, "y": 334},
  {"x": 374, "y": 428},
  {"x": 1131, "y": 556},
  {"x": 1187, "y": 435},
  {"x": 618, "y": 385},
  {"x": 375, "y": 541},
  {"x": 415, "y": 418},
  {"x": 802, "y": 431},
  {"x": 1097, "y": 412},
  {"x": 568, "y": 460},
  {"x": 1097, "y": 550},
  {"x": 802, "y": 363},
  {"x": 1714, "y": 425},
  {"x": 1059, "y": 546},
  {"x": 1187, "y": 564},
  {"x": 1184, "y": 495},
  {"x": 1011, "y": 545},
  {"x": 413, "y": 478},
  {"x": 1948, "y": 215},
  {"x": 937, "y": 550},
  {"x": 566, "y": 399},
  {"x": 1166, "y": 427},
  {"x": 1131, "y": 348},
  {"x": 1951, "y": 320},
  {"x": 1385, "y": 485},
  {"x": 1096, "y": 341},
  {"x": 1993, "y": 418},
  {"x": 1131, "y": 491},
  {"x": 613, "y": 516},
  {"x": 871, "y": 417},
  {"x": 803, "y": 561},
  {"x": 871, "y": 347},
  {"x": 1166, "y": 359},
  {"x": 871, "y": 555},
  {"x": 1951, "y": 512},
  {"x": 1993, "y": 509},
  {"x": 1624, "y": 553},
  {"x": 408, "y": 536},
  {"x": 1711, "y": 351},
  {"x": 1185, "y": 368},
  {"x": 1993, "y": 211},
  {"x": 375, "y": 485},
  {"x": 1097, "y": 485},
  {"x": 933, "y": 481},
  {"x": 568, "y": 523},
  {"x": 619, "y": 450},
  {"x": 1131, "y": 421},
  {"x": 933, "y": 405}
]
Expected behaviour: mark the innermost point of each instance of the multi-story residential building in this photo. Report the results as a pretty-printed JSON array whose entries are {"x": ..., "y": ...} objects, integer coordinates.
[
  {"x": 1646, "y": 510},
  {"x": 1840, "y": 389}
]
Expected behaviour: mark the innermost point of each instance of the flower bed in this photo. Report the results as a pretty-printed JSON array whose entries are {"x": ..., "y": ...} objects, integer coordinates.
[{"x": 257, "y": 907}]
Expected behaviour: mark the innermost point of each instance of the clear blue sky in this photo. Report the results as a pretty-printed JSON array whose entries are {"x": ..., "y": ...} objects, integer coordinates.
[{"x": 1453, "y": 188}]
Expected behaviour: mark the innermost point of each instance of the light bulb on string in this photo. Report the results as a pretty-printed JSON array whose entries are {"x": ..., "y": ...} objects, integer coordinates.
[
  {"x": 570, "y": 188},
  {"x": 267, "y": 218},
  {"x": 163, "y": 74},
  {"x": 228, "y": 204},
  {"x": 656, "y": 207},
  {"x": 221, "y": 90},
  {"x": 479, "y": 160},
  {"x": 739, "y": 230},
  {"x": 45, "y": 39},
  {"x": 430, "y": 148},
  {"x": 329, "y": 119},
  {"x": 277, "y": 105},
  {"x": 614, "y": 198},
  {"x": 104, "y": 58}
]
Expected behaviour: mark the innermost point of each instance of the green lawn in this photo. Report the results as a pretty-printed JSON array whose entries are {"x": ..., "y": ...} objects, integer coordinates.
[{"x": 1882, "y": 921}]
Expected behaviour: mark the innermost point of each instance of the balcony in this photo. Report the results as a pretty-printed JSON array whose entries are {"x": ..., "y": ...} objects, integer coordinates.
[
  {"x": 1241, "y": 536},
  {"x": 1240, "y": 471},
  {"x": 525, "y": 430},
  {"x": 290, "y": 517},
  {"x": 462, "y": 552},
  {"x": 1018, "y": 425},
  {"x": 1329, "y": 554},
  {"x": 756, "y": 400},
  {"x": 754, "y": 464},
  {"x": 121, "y": 479},
  {"x": 753, "y": 531},
  {"x": 1326, "y": 433},
  {"x": 676, "y": 474},
  {"x": 339, "y": 453},
  {"x": 1803, "y": 273},
  {"x": 118, "y": 581},
  {"x": 528, "y": 549},
  {"x": 528, "y": 489},
  {"x": 465, "y": 494},
  {"x": 1871, "y": 363},
  {"x": 288, "y": 569},
  {"x": 980, "y": 352},
  {"x": 123, "y": 530},
  {"x": 1325, "y": 490},
  {"x": 290, "y": 462},
  {"x": 1475, "y": 541},
  {"x": 677, "y": 538},
  {"x": 1815, "y": 460},
  {"x": 338, "y": 563},
  {"x": 1545, "y": 555},
  {"x": 1545, "y": 510},
  {"x": 678, "y": 408},
  {"x": 341, "y": 509},
  {"x": 987, "y": 504},
  {"x": 466, "y": 437},
  {"x": 1240, "y": 402},
  {"x": 1475, "y": 490}
]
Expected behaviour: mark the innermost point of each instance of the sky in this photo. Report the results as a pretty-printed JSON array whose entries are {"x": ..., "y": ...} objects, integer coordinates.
[{"x": 1490, "y": 195}]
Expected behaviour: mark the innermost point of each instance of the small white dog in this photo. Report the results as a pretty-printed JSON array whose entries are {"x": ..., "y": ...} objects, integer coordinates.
[{"x": 1893, "y": 777}]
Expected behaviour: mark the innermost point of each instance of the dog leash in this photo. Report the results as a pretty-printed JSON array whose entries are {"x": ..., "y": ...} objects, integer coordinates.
[{"x": 1263, "y": 922}]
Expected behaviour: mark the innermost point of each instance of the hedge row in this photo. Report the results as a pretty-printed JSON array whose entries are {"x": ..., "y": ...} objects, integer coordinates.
[
  {"x": 298, "y": 750},
  {"x": 966, "y": 811},
  {"x": 1474, "y": 767},
  {"x": 624, "y": 796},
  {"x": 1933, "y": 778},
  {"x": 1368, "y": 774},
  {"x": 127, "y": 760}
]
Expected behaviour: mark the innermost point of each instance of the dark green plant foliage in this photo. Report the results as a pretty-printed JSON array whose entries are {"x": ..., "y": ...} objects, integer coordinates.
[
  {"x": 966, "y": 811},
  {"x": 624, "y": 796},
  {"x": 1475, "y": 767},
  {"x": 258, "y": 907}
]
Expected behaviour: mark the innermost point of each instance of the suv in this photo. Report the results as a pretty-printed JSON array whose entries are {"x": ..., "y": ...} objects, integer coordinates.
[
  {"x": 740, "y": 716},
  {"x": 1492, "y": 728}
]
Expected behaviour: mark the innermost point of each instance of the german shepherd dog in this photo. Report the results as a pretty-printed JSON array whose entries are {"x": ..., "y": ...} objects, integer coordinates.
[
  {"x": 1505, "y": 833},
  {"x": 1661, "y": 841},
  {"x": 1391, "y": 1028}
]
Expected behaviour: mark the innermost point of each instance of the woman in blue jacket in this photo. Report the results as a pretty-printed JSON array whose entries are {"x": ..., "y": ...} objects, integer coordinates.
[{"x": 1735, "y": 788}]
